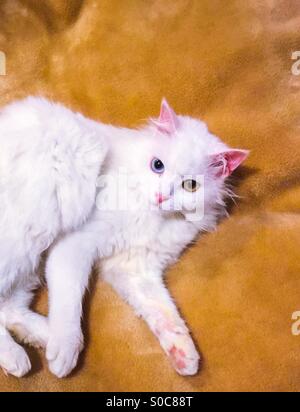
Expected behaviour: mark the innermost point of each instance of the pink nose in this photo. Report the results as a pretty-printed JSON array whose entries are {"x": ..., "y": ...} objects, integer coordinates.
[{"x": 161, "y": 198}]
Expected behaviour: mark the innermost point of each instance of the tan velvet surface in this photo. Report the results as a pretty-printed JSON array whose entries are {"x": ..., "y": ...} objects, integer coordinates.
[{"x": 228, "y": 62}]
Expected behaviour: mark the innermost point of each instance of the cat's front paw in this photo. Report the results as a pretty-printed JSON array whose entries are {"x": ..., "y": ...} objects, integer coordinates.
[
  {"x": 181, "y": 351},
  {"x": 185, "y": 362},
  {"x": 62, "y": 353}
]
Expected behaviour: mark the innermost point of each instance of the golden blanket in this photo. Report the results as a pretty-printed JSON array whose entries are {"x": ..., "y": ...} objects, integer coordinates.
[{"x": 229, "y": 63}]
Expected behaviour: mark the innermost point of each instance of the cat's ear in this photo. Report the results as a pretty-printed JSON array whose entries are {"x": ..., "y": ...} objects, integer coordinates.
[
  {"x": 168, "y": 120},
  {"x": 224, "y": 163}
]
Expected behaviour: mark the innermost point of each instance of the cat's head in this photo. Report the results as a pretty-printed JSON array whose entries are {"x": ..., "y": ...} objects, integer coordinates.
[
  {"x": 183, "y": 163},
  {"x": 178, "y": 165}
]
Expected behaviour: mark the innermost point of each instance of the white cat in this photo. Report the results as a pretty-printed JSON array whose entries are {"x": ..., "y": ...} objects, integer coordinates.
[
  {"x": 164, "y": 184},
  {"x": 50, "y": 159},
  {"x": 171, "y": 160}
]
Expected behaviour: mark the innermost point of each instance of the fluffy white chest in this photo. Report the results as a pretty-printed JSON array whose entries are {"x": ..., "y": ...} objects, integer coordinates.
[{"x": 119, "y": 231}]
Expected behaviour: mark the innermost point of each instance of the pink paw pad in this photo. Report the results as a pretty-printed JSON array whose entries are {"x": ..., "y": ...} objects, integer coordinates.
[{"x": 178, "y": 356}]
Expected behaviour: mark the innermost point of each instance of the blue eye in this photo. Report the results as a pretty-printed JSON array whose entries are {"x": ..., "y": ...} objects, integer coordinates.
[{"x": 157, "y": 165}]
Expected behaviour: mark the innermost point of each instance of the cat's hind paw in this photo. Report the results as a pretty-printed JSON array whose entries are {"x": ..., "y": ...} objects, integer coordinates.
[
  {"x": 32, "y": 330},
  {"x": 13, "y": 359}
]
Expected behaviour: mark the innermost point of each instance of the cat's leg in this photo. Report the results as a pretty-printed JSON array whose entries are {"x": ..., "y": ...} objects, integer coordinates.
[
  {"x": 13, "y": 358},
  {"x": 28, "y": 326},
  {"x": 67, "y": 272},
  {"x": 145, "y": 291}
]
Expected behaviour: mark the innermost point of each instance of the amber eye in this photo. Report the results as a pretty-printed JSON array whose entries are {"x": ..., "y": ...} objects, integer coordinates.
[{"x": 190, "y": 185}]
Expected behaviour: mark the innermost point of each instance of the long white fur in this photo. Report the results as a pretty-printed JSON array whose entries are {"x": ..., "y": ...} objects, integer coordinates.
[
  {"x": 133, "y": 246},
  {"x": 50, "y": 159}
]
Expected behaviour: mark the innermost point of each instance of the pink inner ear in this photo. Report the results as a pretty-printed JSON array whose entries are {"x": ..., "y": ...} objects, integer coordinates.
[
  {"x": 168, "y": 120},
  {"x": 226, "y": 162}
]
